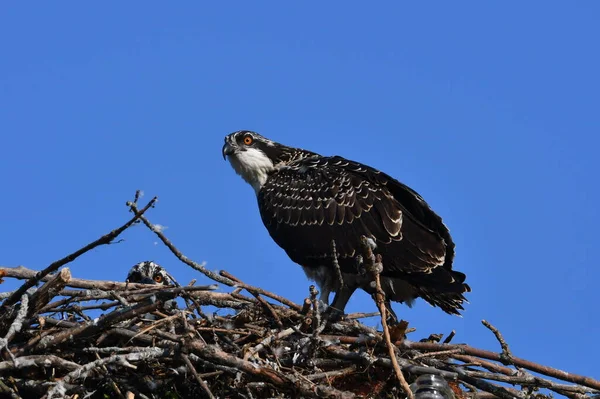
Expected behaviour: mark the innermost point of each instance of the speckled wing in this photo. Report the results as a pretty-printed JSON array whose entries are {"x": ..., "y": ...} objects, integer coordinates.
[{"x": 307, "y": 203}]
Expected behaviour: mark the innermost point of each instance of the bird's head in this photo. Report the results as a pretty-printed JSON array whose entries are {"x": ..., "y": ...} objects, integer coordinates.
[
  {"x": 254, "y": 157},
  {"x": 149, "y": 272}
]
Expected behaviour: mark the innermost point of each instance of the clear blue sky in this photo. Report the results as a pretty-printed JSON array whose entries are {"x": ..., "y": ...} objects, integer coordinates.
[{"x": 490, "y": 111}]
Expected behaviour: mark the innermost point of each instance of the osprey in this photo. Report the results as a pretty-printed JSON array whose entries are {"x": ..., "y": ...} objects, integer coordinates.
[
  {"x": 149, "y": 272},
  {"x": 309, "y": 203}
]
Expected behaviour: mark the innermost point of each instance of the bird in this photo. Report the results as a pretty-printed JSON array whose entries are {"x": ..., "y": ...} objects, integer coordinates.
[
  {"x": 319, "y": 209},
  {"x": 149, "y": 272}
]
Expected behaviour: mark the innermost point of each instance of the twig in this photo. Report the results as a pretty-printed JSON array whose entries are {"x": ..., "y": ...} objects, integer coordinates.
[
  {"x": 333, "y": 373},
  {"x": 196, "y": 376},
  {"x": 178, "y": 253},
  {"x": 38, "y": 361},
  {"x": 506, "y": 354},
  {"x": 373, "y": 265},
  {"x": 46, "y": 292},
  {"x": 527, "y": 364},
  {"x": 124, "y": 360},
  {"x": 90, "y": 328},
  {"x": 449, "y": 337},
  {"x": 269, "y": 339},
  {"x": 22, "y": 273},
  {"x": 214, "y": 354},
  {"x": 435, "y": 354},
  {"x": 17, "y": 323},
  {"x": 4, "y": 389},
  {"x": 257, "y": 290},
  {"x": 360, "y": 315},
  {"x": 105, "y": 239},
  {"x": 315, "y": 309},
  {"x": 336, "y": 264}
]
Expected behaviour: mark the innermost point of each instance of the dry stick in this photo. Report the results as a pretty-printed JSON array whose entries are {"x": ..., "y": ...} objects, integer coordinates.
[
  {"x": 23, "y": 273},
  {"x": 336, "y": 264},
  {"x": 449, "y": 337},
  {"x": 218, "y": 356},
  {"x": 527, "y": 380},
  {"x": 105, "y": 239},
  {"x": 367, "y": 360},
  {"x": 223, "y": 278},
  {"x": 4, "y": 389},
  {"x": 315, "y": 307},
  {"x": 17, "y": 323},
  {"x": 202, "y": 293},
  {"x": 521, "y": 378},
  {"x": 112, "y": 383},
  {"x": 373, "y": 265},
  {"x": 38, "y": 361},
  {"x": 90, "y": 328},
  {"x": 124, "y": 359},
  {"x": 251, "y": 289},
  {"x": 333, "y": 373},
  {"x": 306, "y": 306},
  {"x": 506, "y": 354},
  {"x": 485, "y": 354},
  {"x": 360, "y": 315},
  {"x": 388, "y": 341},
  {"x": 268, "y": 306},
  {"x": 178, "y": 253},
  {"x": 500, "y": 392},
  {"x": 466, "y": 353},
  {"x": 192, "y": 369},
  {"x": 435, "y": 354},
  {"x": 268, "y": 340},
  {"x": 483, "y": 363},
  {"x": 49, "y": 290}
]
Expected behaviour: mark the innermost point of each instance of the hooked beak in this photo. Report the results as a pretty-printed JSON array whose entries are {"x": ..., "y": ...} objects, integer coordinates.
[{"x": 227, "y": 150}]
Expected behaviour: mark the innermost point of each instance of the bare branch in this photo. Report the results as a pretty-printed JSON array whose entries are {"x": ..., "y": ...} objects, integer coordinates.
[
  {"x": 373, "y": 265},
  {"x": 105, "y": 239}
]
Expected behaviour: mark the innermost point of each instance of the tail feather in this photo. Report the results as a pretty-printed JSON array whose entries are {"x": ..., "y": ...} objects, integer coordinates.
[{"x": 443, "y": 288}]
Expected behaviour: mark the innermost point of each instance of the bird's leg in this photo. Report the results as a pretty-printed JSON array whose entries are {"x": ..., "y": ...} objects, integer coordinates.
[
  {"x": 391, "y": 315},
  {"x": 339, "y": 301},
  {"x": 324, "y": 297}
]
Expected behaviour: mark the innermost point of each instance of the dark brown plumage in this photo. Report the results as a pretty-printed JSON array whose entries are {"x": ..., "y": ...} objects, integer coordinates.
[{"x": 307, "y": 200}]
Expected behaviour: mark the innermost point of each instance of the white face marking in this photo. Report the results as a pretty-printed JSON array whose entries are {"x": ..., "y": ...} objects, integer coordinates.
[{"x": 253, "y": 165}]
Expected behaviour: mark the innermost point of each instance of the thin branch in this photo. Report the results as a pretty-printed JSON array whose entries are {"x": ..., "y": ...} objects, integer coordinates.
[
  {"x": 23, "y": 273},
  {"x": 123, "y": 360},
  {"x": 197, "y": 377},
  {"x": 336, "y": 264},
  {"x": 256, "y": 290},
  {"x": 527, "y": 364},
  {"x": 46, "y": 292},
  {"x": 178, "y": 253},
  {"x": 506, "y": 354},
  {"x": 373, "y": 265},
  {"x": 105, "y": 239},
  {"x": 17, "y": 323}
]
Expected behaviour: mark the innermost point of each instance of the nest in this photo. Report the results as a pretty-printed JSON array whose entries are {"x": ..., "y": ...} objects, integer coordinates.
[{"x": 68, "y": 337}]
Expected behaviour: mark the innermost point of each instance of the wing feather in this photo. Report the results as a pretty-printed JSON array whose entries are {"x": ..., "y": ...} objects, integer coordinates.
[{"x": 310, "y": 202}]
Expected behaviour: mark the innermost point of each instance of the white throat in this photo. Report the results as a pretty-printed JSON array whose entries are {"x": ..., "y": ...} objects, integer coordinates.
[{"x": 253, "y": 165}]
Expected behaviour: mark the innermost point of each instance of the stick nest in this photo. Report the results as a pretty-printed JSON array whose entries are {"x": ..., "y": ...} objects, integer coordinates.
[{"x": 74, "y": 338}]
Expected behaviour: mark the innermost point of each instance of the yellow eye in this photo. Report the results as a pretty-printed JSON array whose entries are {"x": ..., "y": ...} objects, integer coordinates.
[
  {"x": 248, "y": 140},
  {"x": 158, "y": 278}
]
